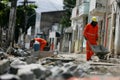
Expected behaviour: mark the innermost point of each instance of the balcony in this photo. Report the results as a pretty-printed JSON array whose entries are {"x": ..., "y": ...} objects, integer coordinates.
[
  {"x": 84, "y": 9},
  {"x": 98, "y": 7},
  {"x": 74, "y": 13}
]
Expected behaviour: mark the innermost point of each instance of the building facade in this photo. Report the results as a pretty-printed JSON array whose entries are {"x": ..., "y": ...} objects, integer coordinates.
[
  {"x": 79, "y": 19},
  {"x": 49, "y": 19},
  {"x": 107, "y": 13}
]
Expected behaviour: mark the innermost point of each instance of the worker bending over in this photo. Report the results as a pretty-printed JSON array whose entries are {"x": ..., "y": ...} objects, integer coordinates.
[{"x": 41, "y": 41}]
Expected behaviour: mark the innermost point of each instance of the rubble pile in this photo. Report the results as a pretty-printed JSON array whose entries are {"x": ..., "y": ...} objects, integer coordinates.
[
  {"x": 2, "y": 54},
  {"x": 21, "y": 65}
]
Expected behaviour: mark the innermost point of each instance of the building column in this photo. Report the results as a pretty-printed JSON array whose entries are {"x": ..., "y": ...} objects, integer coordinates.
[
  {"x": 111, "y": 43},
  {"x": 117, "y": 34}
]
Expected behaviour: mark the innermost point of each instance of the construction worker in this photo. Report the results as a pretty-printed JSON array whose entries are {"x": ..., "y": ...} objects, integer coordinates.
[
  {"x": 91, "y": 35},
  {"x": 41, "y": 41}
]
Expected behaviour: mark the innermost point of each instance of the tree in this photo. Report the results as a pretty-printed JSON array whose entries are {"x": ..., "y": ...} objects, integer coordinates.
[
  {"x": 4, "y": 13},
  {"x": 20, "y": 21},
  {"x": 68, "y": 5},
  {"x": 12, "y": 23},
  {"x": 4, "y": 17}
]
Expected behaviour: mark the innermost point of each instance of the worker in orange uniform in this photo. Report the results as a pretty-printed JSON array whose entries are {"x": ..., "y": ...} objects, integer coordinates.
[
  {"x": 91, "y": 35},
  {"x": 42, "y": 42}
]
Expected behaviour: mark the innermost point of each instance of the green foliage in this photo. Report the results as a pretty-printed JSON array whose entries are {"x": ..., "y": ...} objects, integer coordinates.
[
  {"x": 4, "y": 13},
  {"x": 29, "y": 11},
  {"x": 20, "y": 16},
  {"x": 65, "y": 21},
  {"x": 4, "y": 2},
  {"x": 32, "y": 6},
  {"x": 20, "y": 21},
  {"x": 31, "y": 14},
  {"x": 68, "y": 5}
]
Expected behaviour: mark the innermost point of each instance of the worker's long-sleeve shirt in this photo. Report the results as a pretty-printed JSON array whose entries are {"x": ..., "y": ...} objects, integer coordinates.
[{"x": 91, "y": 33}]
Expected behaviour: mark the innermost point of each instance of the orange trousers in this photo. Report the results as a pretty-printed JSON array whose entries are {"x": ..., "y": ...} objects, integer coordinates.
[
  {"x": 42, "y": 46},
  {"x": 89, "y": 51}
]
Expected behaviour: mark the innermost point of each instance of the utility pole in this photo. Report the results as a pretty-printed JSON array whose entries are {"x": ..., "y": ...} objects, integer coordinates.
[
  {"x": 25, "y": 4},
  {"x": 12, "y": 22}
]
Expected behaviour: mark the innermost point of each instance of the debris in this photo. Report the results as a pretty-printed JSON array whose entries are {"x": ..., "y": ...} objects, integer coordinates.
[
  {"x": 4, "y": 66},
  {"x": 3, "y": 55},
  {"x": 26, "y": 74},
  {"x": 45, "y": 65},
  {"x": 60, "y": 59},
  {"x": 9, "y": 77}
]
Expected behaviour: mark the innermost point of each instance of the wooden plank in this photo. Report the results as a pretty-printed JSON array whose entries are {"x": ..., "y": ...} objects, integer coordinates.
[
  {"x": 104, "y": 63},
  {"x": 61, "y": 59}
]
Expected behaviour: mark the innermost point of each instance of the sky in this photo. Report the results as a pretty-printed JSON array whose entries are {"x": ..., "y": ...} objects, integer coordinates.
[{"x": 48, "y": 5}]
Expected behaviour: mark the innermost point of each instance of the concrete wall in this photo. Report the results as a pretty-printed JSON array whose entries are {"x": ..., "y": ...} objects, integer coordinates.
[{"x": 50, "y": 18}]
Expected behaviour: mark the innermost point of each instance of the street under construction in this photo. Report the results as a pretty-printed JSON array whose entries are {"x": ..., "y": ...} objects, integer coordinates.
[
  {"x": 83, "y": 44},
  {"x": 18, "y": 64}
]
